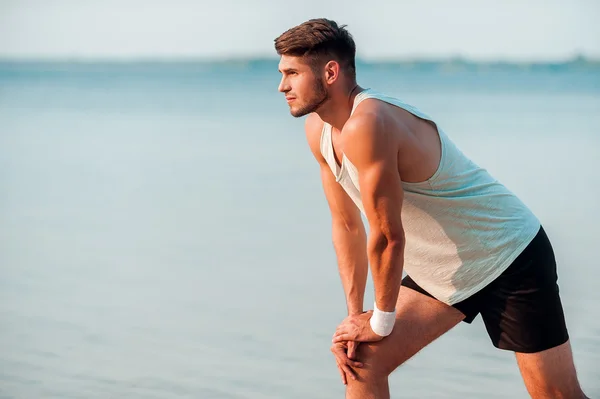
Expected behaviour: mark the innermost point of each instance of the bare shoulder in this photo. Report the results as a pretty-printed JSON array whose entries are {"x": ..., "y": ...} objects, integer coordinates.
[
  {"x": 313, "y": 126},
  {"x": 371, "y": 132}
]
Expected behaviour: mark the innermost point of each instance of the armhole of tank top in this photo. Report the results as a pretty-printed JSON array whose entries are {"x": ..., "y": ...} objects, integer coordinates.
[
  {"x": 322, "y": 147},
  {"x": 421, "y": 115}
]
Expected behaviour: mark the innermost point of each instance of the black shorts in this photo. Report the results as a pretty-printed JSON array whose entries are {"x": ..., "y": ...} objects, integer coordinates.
[{"x": 521, "y": 309}]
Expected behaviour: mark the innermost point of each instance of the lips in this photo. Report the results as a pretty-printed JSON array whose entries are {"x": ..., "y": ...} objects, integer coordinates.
[{"x": 288, "y": 99}]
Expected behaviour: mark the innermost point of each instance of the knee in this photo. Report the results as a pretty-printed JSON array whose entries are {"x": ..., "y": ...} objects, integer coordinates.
[
  {"x": 557, "y": 393},
  {"x": 378, "y": 362},
  {"x": 559, "y": 389}
]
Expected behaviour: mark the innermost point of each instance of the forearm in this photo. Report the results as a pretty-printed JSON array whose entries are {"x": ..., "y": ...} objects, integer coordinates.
[
  {"x": 351, "y": 250},
  {"x": 386, "y": 256}
]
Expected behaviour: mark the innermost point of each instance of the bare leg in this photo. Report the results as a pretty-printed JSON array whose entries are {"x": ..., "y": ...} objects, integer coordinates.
[
  {"x": 550, "y": 373},
  {"x": 419, "y": 321}
]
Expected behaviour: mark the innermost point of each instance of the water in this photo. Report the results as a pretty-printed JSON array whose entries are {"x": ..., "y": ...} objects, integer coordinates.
[{"x": 163, "y": 232}]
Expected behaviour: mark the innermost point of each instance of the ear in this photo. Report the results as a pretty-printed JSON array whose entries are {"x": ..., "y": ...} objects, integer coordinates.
[{"x": 332, "y": 71}]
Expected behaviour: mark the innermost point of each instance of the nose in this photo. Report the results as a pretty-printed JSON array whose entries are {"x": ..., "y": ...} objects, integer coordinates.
[{"x": 283, "y": 85}]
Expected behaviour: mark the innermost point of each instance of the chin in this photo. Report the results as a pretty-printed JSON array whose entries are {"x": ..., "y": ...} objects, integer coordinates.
[{"x": 299, "y": 112}]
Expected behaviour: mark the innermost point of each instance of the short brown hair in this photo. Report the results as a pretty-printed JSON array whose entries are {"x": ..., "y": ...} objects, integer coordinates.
[{"x": 320, "y": 40}]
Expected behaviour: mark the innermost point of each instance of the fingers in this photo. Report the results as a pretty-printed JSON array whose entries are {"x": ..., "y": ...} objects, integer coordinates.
[
  {"x": 356, "y": 336},
  {"x": 350, "y": 329},
  {"x": 352, "y": 345},
  {"x": 342, "y": 336},
  {"x": 341, "y": 357},
  {"x": 345, "y": 365},
  {"x": 349, "y": 372},
  {"x": 342, "y": 374}
]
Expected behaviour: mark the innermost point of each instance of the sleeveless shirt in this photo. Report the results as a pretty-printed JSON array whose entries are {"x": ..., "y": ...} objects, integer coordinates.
[{"x": 462, "y": 227}]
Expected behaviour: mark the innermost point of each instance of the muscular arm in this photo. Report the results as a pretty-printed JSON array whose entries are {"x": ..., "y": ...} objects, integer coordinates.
[
  {"x": 348, "y": 232},
  {"x": 373, "y": 151}
]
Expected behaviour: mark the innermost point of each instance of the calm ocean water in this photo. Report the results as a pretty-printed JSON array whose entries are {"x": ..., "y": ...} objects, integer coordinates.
[{"x": 163, "y": 232}]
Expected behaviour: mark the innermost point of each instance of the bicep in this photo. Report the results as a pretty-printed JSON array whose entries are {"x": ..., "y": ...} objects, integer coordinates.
[
  {"x": 374, "y": 152},
  {"x": 382, "y": 196}
]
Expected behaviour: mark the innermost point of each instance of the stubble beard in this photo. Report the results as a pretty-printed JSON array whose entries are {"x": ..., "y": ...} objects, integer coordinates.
[{"x": 319, "y": 98}]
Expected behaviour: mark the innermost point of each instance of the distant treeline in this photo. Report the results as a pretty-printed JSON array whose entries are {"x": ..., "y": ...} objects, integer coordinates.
[{"x": 455, "y": 64}]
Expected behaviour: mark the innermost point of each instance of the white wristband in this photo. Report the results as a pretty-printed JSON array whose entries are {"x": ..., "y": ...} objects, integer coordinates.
[{"x": 382, "y": 322}]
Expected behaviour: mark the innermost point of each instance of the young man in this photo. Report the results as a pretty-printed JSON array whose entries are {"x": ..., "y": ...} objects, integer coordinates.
[{"x": 468, "y": 245}]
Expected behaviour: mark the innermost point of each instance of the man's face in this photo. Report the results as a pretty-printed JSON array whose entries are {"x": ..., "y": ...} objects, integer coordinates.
[{"x": 304, "y": 91}]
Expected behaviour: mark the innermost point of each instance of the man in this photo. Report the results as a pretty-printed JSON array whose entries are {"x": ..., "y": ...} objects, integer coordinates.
[{"x": 468, "y": 245}]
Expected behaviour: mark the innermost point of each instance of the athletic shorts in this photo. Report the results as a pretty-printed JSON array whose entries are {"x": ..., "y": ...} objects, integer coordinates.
[{"x": 521, "y": 309}]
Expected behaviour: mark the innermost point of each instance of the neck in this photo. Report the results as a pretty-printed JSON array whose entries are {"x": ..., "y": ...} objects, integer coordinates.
[{"x": 337, "y": 110}]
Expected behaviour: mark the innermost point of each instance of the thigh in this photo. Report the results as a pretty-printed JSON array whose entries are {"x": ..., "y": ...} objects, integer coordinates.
[
  {"x": 420, "y": 319},
  {"x": 550, "y": 373}
]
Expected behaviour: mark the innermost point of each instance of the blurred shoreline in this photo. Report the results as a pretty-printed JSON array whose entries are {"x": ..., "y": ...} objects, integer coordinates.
[{"x": 579, "y": 62}]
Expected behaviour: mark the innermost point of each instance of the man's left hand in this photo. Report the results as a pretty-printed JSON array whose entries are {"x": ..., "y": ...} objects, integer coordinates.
[{"x": 356, "y": 328}]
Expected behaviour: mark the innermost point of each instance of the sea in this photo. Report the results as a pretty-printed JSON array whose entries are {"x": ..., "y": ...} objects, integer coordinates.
[{"x": 164, "y": 233}]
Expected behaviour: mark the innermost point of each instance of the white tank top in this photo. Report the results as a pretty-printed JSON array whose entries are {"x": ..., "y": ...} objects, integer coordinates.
[{"x": 462, "y": 227}]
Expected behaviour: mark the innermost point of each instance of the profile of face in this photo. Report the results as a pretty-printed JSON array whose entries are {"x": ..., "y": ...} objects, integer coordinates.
[{"x": 304, "y": 90}]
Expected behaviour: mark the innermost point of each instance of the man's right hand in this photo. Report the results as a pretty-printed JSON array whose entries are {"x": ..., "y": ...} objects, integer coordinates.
[{"x": 345, "y": 355}]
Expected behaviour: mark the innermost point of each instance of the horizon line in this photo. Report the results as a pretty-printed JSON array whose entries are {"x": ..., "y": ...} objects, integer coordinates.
[{"x": 579, "y": 57}]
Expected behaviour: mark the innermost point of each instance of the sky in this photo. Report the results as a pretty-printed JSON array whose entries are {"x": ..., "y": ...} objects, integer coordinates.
[{"x": 546, "y": 30}]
